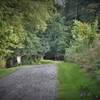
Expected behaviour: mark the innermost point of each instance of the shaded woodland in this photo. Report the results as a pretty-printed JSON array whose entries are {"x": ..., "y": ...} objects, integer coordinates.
[{"x": 58, "y": 30}]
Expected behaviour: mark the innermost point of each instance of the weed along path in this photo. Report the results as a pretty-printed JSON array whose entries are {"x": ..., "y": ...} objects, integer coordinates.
[{"x": 37, "y": 82}]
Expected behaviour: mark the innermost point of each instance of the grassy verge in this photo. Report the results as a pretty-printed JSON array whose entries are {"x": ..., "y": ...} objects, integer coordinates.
[
  {"x": 72, "y": 79},
  {"x": 6, "y": 71},
  {"x": 46, "y": 62}
]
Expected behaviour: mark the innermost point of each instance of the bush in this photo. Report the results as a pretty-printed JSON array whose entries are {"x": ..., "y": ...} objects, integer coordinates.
[
  {"x": 2, "y": 63},
  {"x": 87, "y": 57},
  {"x": 86, "y": 47}
]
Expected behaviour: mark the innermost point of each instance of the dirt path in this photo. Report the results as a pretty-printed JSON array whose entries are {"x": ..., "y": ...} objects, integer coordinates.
[{"x": 36, "y": 82}]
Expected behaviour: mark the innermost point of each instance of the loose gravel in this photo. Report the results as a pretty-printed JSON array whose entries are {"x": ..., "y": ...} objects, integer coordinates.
[{"x": 37, "y": 82}]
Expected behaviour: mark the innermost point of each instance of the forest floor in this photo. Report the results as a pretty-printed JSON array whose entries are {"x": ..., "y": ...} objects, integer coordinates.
[{"x": 34, "y": 82}]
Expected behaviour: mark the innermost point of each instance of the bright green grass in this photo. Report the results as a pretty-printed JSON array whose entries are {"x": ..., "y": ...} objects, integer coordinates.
[
  {"x": 6, "y": 71},
  {"x": 71, "y": 77}
]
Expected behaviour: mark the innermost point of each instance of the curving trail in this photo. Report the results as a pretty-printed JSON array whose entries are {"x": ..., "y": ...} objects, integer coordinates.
[{"x": 37, "y": 82}]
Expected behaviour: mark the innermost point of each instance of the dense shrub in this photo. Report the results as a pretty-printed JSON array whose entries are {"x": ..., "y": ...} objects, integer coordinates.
[
  {"x": 86, "y": 57},
  {"x": 86, "y": 48},
  {"x": 2, "y": 63}
]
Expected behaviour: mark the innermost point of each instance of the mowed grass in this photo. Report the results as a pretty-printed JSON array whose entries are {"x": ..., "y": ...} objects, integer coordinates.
[
  {"x": 6, "y": 71},
  {"x": 71, "y": 77}
]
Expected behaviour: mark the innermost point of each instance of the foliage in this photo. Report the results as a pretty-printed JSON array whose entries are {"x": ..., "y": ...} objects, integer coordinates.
[
  {"x": 20, "y": 21},
  {"x": 83, "y": 49},
  {"x": 34, "y": 29},
  {"x": 58, "y": 37},
  {"x": 84, "y": 10},
  {"x": 29, "y": 11},
  {"x": 84, "y": 32},
  {"x": 2, "y": 63},
  {"x": 9, "y": 39},
  {"x": 86, "y": 56}
]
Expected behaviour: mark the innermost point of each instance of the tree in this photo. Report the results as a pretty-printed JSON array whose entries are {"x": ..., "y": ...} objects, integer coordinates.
[
  {"x": 58, "y": 38},
  {"x": 20, "y": 21}
]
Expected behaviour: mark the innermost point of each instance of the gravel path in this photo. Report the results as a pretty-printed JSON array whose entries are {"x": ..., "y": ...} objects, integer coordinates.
[{"x": 37, "y": 82}]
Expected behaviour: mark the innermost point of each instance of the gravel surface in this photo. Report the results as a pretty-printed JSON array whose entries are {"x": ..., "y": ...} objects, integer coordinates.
[{"x": 37, "y": 82}]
